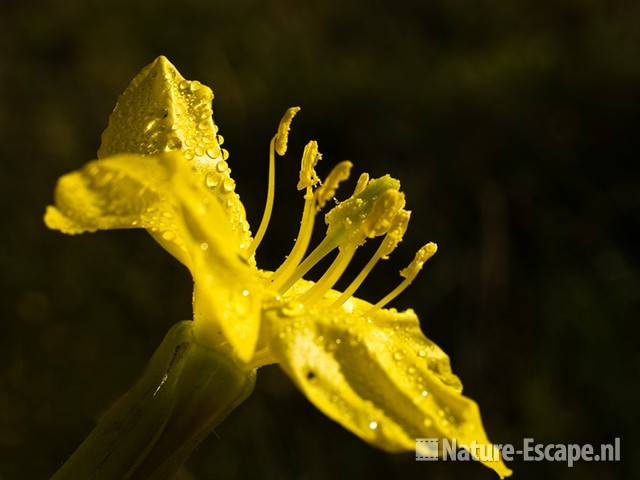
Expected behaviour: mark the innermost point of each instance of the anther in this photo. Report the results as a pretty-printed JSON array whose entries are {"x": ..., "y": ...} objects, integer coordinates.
[
  {"x": 310, "y": 158},
  {"x": 409, "y": 274},
  {"x": 363, "y": 181},
  {"x": 282, "y": 136},
  {"x": 391, "y": 240},
  {"x": 384, "y": 210},
  {"x": 278, "y": 144},
  {"x": 327, "y": 190}
]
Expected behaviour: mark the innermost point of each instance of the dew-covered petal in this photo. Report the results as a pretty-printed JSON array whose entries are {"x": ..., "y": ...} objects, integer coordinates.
[
  {"x": 122, "y": 191},
  {"x": 161, "y": 111},
  {"x": 160, "y": 194},
  {"x": 378, "y": 376}
]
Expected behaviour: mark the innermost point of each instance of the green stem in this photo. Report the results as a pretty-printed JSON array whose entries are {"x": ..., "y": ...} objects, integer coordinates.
[{"x": 185, "y": 391}]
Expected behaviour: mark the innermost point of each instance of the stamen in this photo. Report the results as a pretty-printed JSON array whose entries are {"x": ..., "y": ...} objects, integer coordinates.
[
  {"x": 409, "y": 273},
  {"x": 330, "y": 277},
  {"x": 345, "y": 226},
  {"x": 389, "y": 243},
  {"x": 308, "y": 179},
  {"x": 384, "y": 210},
  {"x": 327, "y": 190},
  {"x": 363, "y": 181},
  {"x": 282, "y": 135},
  {"x": 310, "y": 158},
  {"x": 322, "y": 250},
  {"x": 278, "y": 144},
  {"x": 302, "y": 240}
]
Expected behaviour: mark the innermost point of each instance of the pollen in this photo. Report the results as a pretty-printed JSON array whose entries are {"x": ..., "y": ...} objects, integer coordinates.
[
  {"x": 310, "y": 158},
  {"x": 422, "y": 255},
  {"x": 282, "y": 136},
  {"x": 384, "y": 210},
  {"x": 327, "y": 190},
  {"x": 396, "y": 233}
]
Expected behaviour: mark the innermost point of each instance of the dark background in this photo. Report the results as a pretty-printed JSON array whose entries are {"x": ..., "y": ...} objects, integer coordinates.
[{"x": 513, "y": 126}]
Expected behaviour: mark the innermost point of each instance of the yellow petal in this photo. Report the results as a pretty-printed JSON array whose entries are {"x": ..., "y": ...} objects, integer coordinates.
[
  {"x": 379, "y": 376},
  {"x": 161, "y": 111},
  {"x": 160, "y": 194},
  {"x": 123, "y": 191}
]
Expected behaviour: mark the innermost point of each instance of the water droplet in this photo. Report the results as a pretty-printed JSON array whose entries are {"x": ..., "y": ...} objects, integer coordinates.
[
  {"x": 184, "y": 85},
  {"x": 222, "y": 166},
  {"x": 398, "y": 356},
  {"x": 245, "y": 293},
  {"x": 168, "y": 235},
  {"x": 424, "y": 393},
  {"x": 213, "y": 152},
  {"x": 421, "y": 353},
  {"x": 228, "y": 185},
  {"x": 220, "y": 139},
  {"x": 225, "y": 154},
  {"x": 204, "y": 246},
  {"x": 188, "y": 154},
  {"x": 411, "y": 370},
  {"x": 212, "y": 180},
  {"x": 199, "y": 151},
  {"x": 373, "y": 425},
  {"x": 338, "y": 341}
]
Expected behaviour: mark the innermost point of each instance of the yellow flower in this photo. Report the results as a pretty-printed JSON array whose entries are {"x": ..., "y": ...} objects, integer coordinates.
[{"x": 161, "y": 167}]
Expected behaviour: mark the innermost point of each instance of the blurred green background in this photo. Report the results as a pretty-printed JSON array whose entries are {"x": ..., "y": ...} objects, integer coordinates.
[{"x": 513, "y": 126}]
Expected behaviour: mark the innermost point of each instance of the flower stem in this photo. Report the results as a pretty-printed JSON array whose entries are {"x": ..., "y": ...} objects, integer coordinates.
[{"x": 185, "y": 391}]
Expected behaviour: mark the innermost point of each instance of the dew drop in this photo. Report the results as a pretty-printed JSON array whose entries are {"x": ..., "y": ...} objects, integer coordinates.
[
  {"x": 222, "y": 166},
  {"x": 213, "y": 152},
  {"x": 225, "y": 154},
  {"x": 424, "y": 393},
  {"x": 245, "y": 293},
  {"x": 168, "y": 235},
  {"x": 373, "y": 425},
  {"x": 228, "y": 185},
  {"x": 199, "y": 151},
  {"x": 398, "y": 356},
  {"x": 421, "y": 353},
  {"x": 188, "y": 154},
  {"x": 204, "y": 246},
  {"x": 220, "y": 139},
  {"x": 212, "y": 180}
]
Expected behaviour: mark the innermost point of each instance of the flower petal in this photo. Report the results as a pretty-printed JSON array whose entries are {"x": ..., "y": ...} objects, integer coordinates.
[
  {"x": 378, "y": 376},
  {"x": 161, "y": 111},
  {"x": 160, "y": 194}
]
